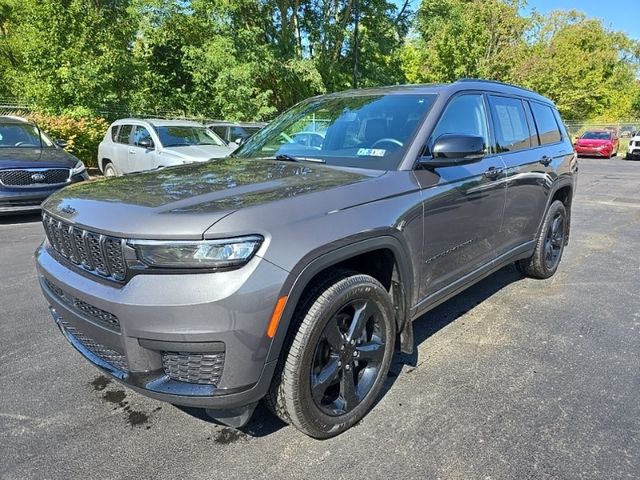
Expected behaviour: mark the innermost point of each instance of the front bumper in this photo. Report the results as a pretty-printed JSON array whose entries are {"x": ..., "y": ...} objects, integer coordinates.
[
  {"x": 633, "y": 154},
  {"x": 17, "y": 199},
  {"x": 156, "y": 315},
  {"x": 595, "y": 152}
]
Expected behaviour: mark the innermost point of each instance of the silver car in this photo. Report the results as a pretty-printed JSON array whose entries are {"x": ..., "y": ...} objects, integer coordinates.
[{"x": 133, "y": 145}]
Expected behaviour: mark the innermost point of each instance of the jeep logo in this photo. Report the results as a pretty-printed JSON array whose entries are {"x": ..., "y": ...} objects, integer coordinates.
[{"x": 38, "y": 177}]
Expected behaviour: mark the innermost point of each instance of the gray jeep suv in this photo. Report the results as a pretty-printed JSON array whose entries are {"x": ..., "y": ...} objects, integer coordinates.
[{"x": 290, "y": 272}]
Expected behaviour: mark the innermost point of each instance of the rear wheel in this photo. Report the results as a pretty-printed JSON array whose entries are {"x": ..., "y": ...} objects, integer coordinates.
[
  {"x": 549, "y": 245},
  {"x": 110, "y": 170},
  {"x": 338, "y": 358}
]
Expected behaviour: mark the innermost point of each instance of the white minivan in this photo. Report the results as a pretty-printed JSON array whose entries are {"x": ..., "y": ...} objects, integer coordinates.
[{"x": 134, "y": 145}]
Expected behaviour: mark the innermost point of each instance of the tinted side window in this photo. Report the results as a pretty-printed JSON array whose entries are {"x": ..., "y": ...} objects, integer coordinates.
[
  {"x": 512, "y": 130},
  {"x": 546, "y": 123},
  {"x": 140, "y": 134},
  {"x": 123, "y": 134},
  {"x": 221, "y": 132},
  {"x": 465, "y": 114},
  {"x": 114, "y": 133}
]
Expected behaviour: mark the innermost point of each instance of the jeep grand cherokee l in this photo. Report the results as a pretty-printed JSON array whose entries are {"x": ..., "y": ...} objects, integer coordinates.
[{"x": 288, "y": 272}]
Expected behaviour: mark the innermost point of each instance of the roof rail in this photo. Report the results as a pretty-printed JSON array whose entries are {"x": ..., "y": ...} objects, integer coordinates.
[{"x": 496, "y": 82}]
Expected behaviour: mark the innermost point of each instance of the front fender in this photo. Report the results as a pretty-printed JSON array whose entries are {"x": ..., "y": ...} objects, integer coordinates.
[{"x": 311, "y": 265}]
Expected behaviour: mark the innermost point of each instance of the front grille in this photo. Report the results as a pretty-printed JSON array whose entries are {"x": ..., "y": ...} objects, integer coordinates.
[
  {"x": 20, "y": 203},
  {"x": 33, "y": 177},
  {"x": 110, "y": 356},
  {"x": 202, "y": 368},
  {"x": 103, "y": 317},
  {"x": 98, "y": 254}
]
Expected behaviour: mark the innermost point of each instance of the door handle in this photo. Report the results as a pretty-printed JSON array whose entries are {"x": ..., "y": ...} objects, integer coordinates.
[
  {"x": 132, "y": 152},
  {"x": 493, "y": 172},
  {"x": 546, "y": 160}
]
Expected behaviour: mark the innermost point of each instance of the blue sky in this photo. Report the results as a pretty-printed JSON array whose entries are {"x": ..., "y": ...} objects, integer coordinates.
[{"x": 615, "y": 14}]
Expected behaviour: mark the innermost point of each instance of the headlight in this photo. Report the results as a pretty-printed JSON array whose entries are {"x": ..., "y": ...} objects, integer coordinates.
[
  {"x": 79, "y": 168},
  {"x": 232, "y": 252}
]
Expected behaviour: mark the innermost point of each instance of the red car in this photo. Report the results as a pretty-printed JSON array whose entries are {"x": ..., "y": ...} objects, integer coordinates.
[{"x": 599, "y": 143}]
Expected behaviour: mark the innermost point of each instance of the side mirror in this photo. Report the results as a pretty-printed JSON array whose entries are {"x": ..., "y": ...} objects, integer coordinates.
[
  {"x": 455, "y": 149},
  {"x": 146, "y": 143},
  {"x": 239, "y": 141},
  {"x": 61, "y": 143}
]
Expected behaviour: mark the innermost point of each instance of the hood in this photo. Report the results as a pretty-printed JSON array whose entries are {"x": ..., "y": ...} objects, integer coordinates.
[
  {"x": 184, "y": 201},
  {"x": 198, "y": 153},
  {"x": 590, "y": 142},
  {"x": 36, "y": 158}
]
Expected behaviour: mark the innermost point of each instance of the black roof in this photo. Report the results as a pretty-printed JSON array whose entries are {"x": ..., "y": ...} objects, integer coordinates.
[{"x": 449, "y": 88}]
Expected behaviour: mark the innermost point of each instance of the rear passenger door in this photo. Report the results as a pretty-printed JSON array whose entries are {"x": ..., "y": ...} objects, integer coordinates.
[
  {"x": 121, "y": 149},
  {"x": 529, "y": 158}
]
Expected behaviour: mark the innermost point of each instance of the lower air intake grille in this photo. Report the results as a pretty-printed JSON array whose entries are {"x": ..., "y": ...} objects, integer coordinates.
[
  {"x": 110, "y": 356},
  {"x": 102, "y": 316},
  {"x": 202, "y": 368}
]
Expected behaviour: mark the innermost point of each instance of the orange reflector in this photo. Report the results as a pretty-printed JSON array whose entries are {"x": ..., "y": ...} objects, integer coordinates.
[{"x": 275, "y": 318}]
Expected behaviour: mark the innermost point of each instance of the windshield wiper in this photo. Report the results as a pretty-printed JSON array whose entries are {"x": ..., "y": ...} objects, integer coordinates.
[{"x": 288, "y": 158}]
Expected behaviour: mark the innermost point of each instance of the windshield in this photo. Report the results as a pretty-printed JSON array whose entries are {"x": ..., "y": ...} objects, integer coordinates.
[
  {"x": 364, "y": 131},
  {"x": 597, "y": 136},
  {"x": 22, "y": 135},
  {"x": 185, "y": 135}
]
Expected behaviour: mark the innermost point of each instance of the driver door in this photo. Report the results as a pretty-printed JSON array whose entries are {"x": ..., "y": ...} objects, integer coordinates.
[{"x": 463, "y": 204}]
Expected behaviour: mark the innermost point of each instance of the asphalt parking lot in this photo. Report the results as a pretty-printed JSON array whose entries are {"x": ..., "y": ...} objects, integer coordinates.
[{"x": 515, "y": 378}]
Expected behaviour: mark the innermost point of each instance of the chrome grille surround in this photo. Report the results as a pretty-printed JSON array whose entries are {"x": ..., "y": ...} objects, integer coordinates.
[
  {"x": 201, "y": 368},
  {"x": 102, "y": 316},
  {"x": 116, "y": 359},
  {"x": 99, "y": 254},
  {"x": 34, "y": 177}
]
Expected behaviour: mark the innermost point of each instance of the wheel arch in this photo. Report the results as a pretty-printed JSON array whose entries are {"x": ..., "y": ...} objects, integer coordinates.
[{"x": 399, "y": 283}]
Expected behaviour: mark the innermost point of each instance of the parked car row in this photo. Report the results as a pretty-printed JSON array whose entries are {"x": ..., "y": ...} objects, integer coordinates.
[{"x": 33, "y": 166}]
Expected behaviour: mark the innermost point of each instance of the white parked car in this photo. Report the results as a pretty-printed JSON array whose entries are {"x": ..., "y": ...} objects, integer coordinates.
[
  {"x": 134, "y": 145},
  {"x": 633, "y": 152}
]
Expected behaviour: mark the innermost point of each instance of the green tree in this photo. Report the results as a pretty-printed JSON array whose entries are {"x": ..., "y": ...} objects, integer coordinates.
[
  {"x": 465, "y": 38},
  {"x": 70, "y": 54},
  {"x": 588, "y": 71}
]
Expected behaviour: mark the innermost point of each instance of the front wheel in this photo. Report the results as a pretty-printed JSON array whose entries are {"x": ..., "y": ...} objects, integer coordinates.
[
  {"x": 338, "y": 358},
  {"x": 549, "y": 244}
]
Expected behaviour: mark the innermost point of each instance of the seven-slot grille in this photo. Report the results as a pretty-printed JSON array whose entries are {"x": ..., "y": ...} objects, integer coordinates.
[
  {"x": 99, "y": 254},
  {"x": 34, "y": 177},
  {"x": 201, "y": 368},
  {"x": 117, "y": 359}
]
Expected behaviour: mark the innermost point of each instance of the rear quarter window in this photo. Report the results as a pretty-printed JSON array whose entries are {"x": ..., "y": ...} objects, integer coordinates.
[
  {"x": 548, "y": 129},
  {"x": 114, "y": 133}
]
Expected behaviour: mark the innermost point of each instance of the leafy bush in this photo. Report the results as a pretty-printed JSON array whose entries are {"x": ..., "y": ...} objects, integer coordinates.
[{"x": 82, "y": 134}]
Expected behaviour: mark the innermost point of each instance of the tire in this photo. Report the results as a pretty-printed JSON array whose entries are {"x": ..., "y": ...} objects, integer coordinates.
[
  {"x": 110, "y": 170},
  {"x": 549, "y": 244},
  {"x": 343, "y": 318}
]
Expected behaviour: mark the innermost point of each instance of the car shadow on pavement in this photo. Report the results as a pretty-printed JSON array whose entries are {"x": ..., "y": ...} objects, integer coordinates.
[
  {"x": 446, "y": 313},
  {"x": 22, "y": 218},
  {"x": 264, "y": 423}
]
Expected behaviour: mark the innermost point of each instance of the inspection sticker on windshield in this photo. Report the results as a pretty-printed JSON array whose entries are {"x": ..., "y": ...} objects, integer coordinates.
[{"x": 371, "y": 152}]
